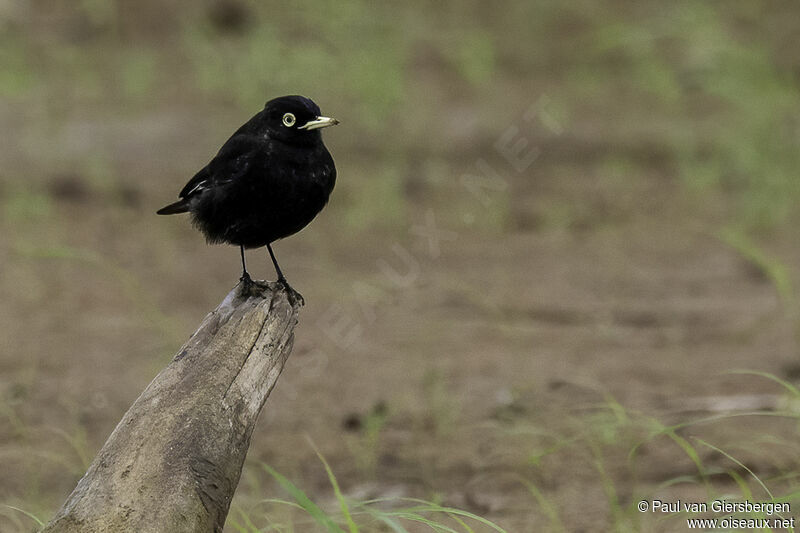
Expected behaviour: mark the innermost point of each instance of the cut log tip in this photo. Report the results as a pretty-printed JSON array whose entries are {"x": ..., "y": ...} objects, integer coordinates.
[{"x": 260, "y": 288}]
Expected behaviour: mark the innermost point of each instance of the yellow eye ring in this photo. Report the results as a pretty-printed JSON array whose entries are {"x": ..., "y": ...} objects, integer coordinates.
[{"x": 289, "y": 120}]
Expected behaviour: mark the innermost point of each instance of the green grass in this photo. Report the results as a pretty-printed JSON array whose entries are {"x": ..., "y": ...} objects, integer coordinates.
[
  {"x": 610, "y": 441},
  {"x": 769, "y": 266},
  {"x": 291, "y": 50},
  {"x": 596, "y": 440},
  {"x": 708, "y": 82},
  {"x": 14, "y": 513},
  {"x": 354, "y": 516},
  {"x": 713, "y": 86},
  {"x": 366, "y": 444},
  {"x": 442, "y": 408}
]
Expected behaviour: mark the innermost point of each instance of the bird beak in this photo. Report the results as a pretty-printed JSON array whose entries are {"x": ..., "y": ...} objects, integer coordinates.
[{"x": 319, "y": 122}]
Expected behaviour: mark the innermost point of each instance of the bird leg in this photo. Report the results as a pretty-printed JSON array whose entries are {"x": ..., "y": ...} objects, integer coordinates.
[
  {"x": 294, "y": 296},
  {"x": 245, "y": 276},
  {"x": 281, "y": 278}
]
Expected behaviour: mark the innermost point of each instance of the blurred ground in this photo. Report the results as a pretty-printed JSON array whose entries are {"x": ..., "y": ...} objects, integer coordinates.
[{"x": 557, "y": 232}]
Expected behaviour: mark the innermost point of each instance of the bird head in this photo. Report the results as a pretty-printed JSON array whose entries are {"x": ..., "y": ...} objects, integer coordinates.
[{"x": 295, "y": 119}]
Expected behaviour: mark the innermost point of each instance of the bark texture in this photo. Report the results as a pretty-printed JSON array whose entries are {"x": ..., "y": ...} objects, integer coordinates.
[{"x": 173, "y": 462}]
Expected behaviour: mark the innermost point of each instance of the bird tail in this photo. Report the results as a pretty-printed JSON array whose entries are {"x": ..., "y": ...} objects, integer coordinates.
[{"x": 181, "y": 206}]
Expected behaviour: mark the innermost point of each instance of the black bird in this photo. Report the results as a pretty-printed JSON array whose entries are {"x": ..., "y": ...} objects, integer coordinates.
[{"x": 268, "y": 181}]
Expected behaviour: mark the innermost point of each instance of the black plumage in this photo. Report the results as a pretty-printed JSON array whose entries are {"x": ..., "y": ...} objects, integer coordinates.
[{"x": 268, "y": 181}]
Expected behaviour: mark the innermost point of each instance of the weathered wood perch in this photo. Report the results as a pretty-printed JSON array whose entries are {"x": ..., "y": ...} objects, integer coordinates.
[{"x": 174, "y": 460}]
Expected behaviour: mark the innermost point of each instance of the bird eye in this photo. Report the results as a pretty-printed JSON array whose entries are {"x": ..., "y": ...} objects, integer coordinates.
[{"x": 289, "y": 120}]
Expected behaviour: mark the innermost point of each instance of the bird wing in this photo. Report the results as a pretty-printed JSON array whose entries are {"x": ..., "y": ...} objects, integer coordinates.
[{"x": 231, "y": 162}]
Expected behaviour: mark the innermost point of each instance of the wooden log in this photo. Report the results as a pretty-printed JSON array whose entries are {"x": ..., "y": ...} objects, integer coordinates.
[{"x": 173, "y": 462}]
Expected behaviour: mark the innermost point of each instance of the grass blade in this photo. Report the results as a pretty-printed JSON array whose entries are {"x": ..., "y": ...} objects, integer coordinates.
[
  {"x": 336, "y": 490},
  {"x": 300, "y": 497},
  {"x": 26, "y": 513}
]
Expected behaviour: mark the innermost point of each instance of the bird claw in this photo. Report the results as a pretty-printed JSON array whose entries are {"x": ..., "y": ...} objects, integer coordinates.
[{"x": 294, "y": 296}]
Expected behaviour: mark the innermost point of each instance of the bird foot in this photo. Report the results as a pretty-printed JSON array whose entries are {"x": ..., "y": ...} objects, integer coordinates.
[
  {"x": 294, "y": 296},
  {"x": 246, "y": 279}
]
